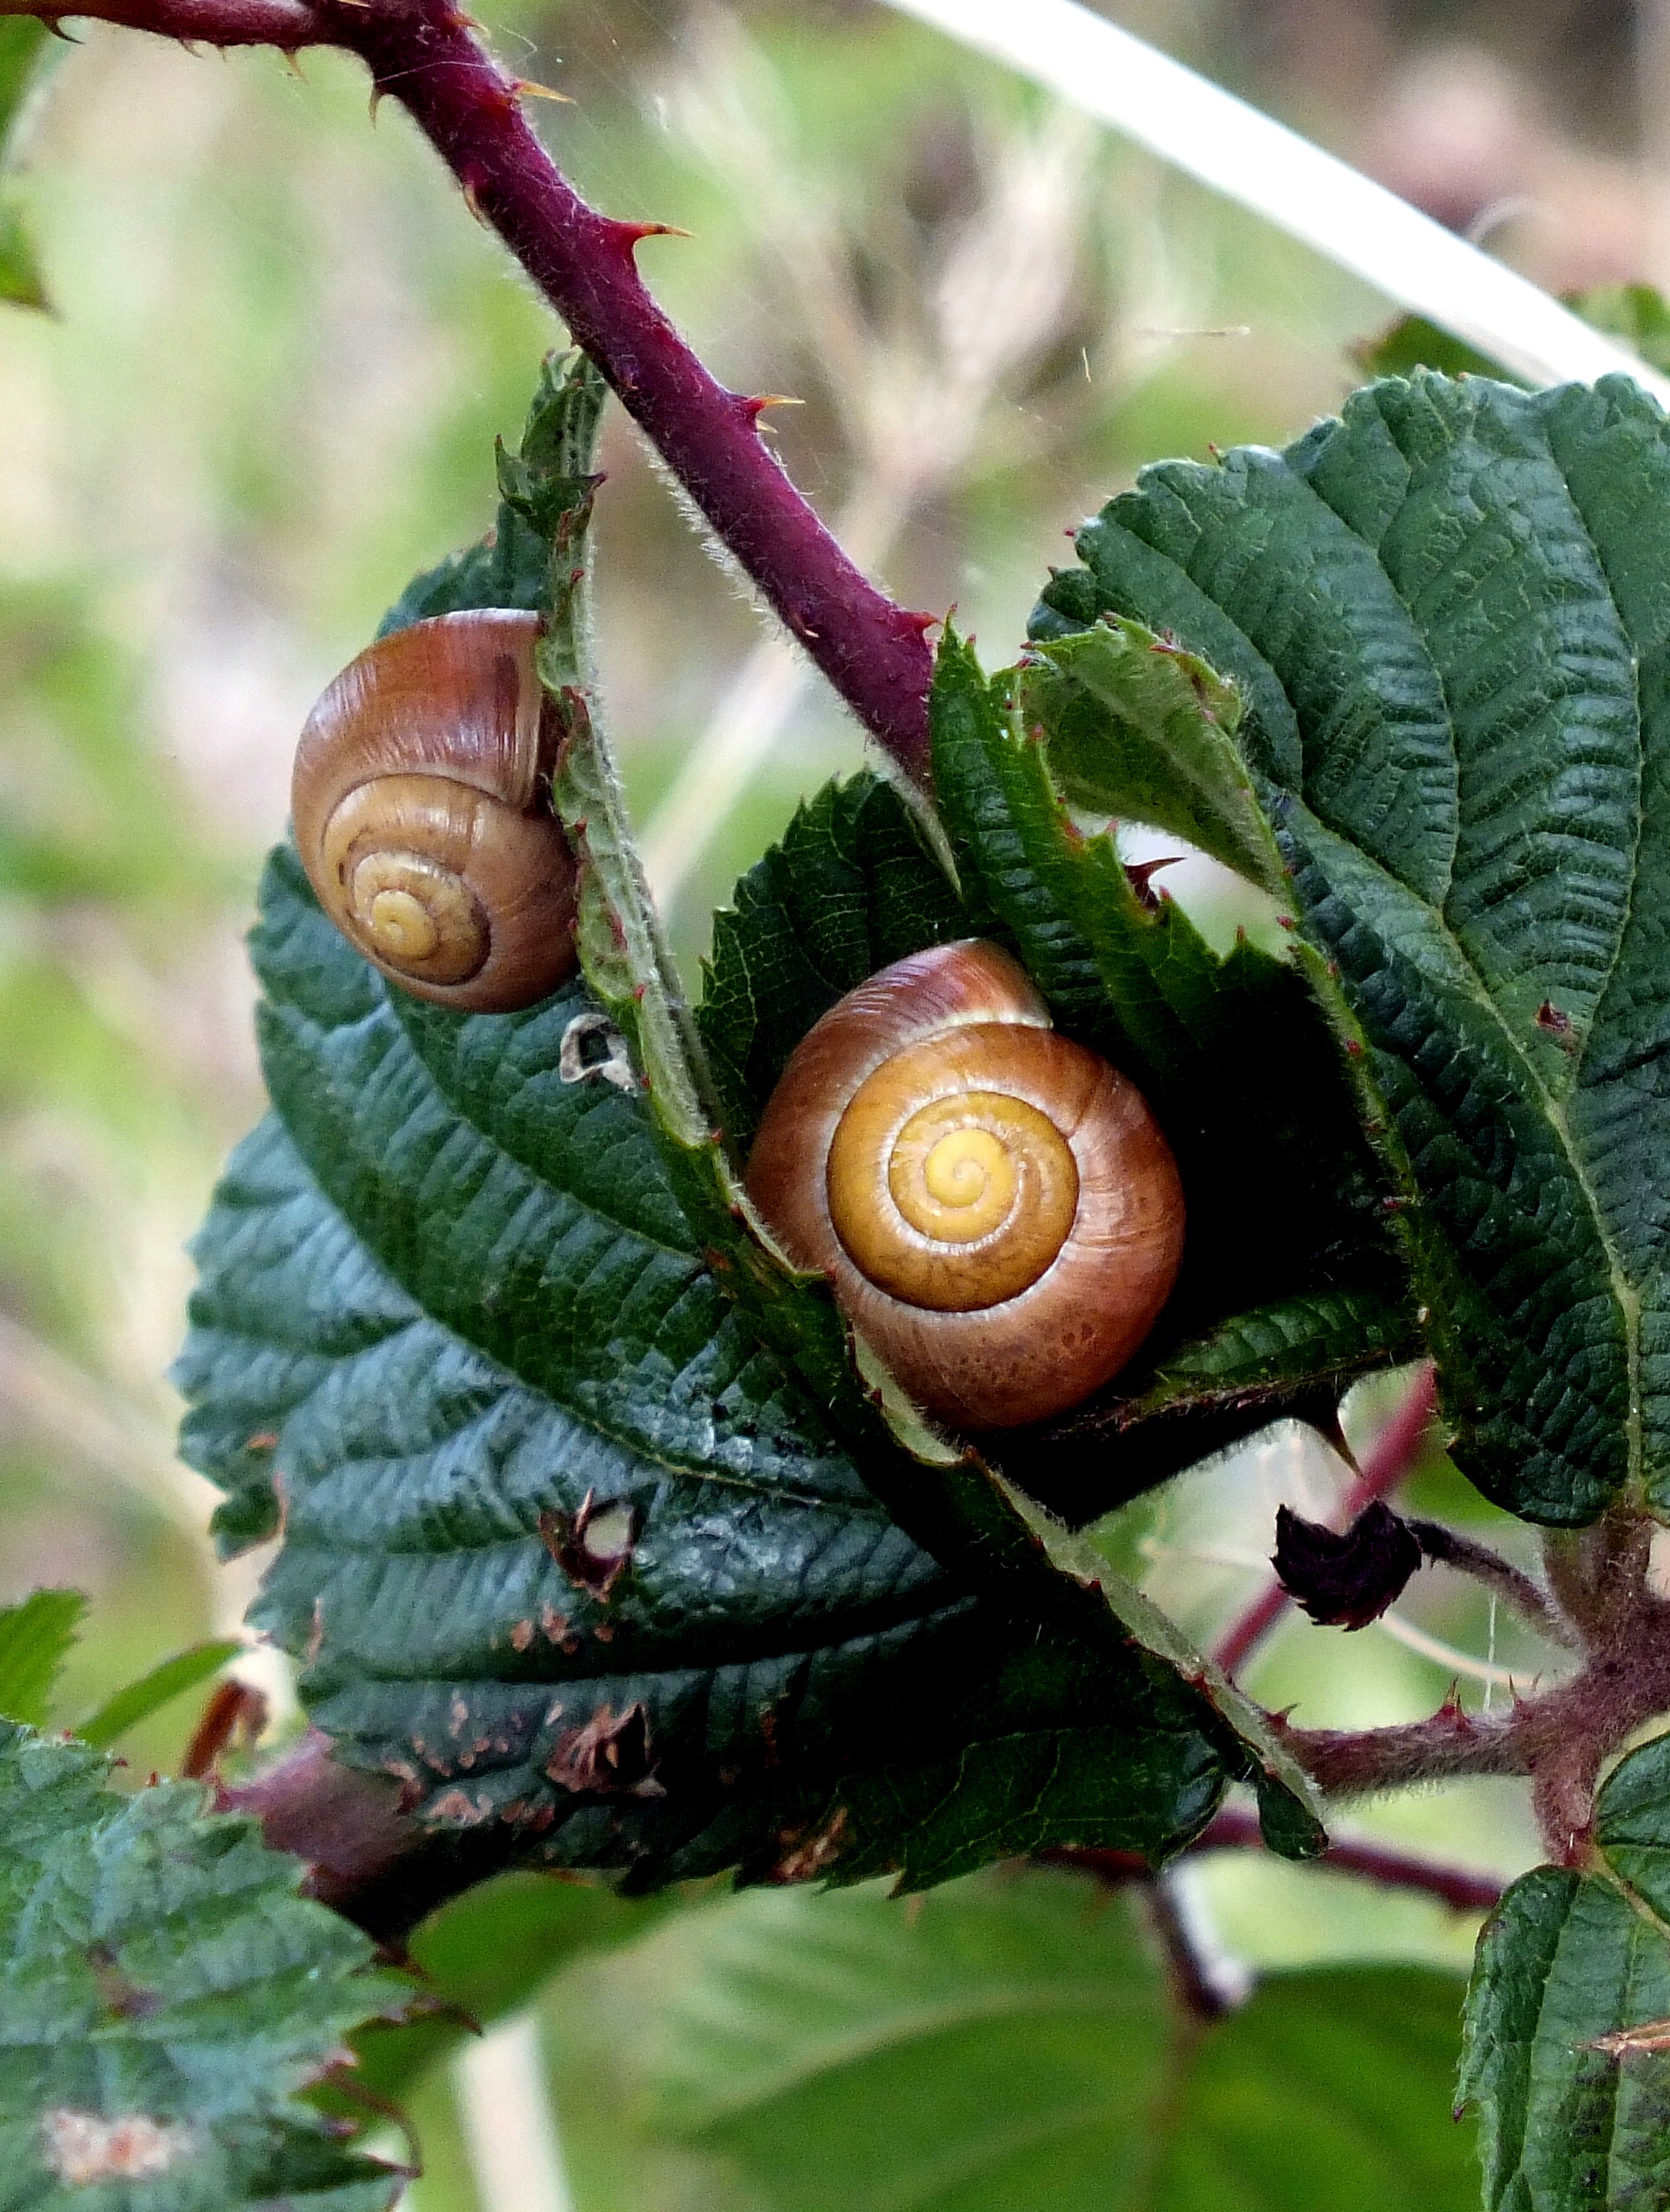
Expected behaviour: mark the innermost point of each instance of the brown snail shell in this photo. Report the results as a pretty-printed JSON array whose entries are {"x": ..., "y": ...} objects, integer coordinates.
[
  {"x": 996, "y": 1206},
  {"x": 421, "y": 806}
]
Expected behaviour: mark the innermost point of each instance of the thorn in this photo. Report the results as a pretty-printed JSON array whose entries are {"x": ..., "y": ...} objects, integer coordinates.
[
  {"x": 523, "y": 87},
  {"x": 55, "y": 25},
  {"x": 1285, "y": 921},
  {"x": 1141, "y": 874},
  {"x": 293, "y": 63},
  {"x": 1354, "y": 1047},
  {"x": 632, "y": 234},
  {"x": 378, "y": 96},
  {"x": 472, "y": 201},
  {"x": 921, "y": 623},
  {"x": 755, "y": 407}
]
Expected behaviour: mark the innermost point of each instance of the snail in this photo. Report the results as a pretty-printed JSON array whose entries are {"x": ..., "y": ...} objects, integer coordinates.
[
  {"x": 999, "y": 1215},
  {"x": 422, "y": 808}
]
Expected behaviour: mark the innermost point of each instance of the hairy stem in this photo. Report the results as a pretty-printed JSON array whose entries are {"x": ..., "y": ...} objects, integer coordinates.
[
  {"x": 1561, "y": 1739},
  {"x": 1446, "y": 1547},
  {"x": 425, "y": 55}
]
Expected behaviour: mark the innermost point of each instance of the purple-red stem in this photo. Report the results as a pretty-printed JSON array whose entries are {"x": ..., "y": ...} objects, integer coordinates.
[
  {"x": 1396, "y": 1450},
  {"x": 424, "y": 54}
]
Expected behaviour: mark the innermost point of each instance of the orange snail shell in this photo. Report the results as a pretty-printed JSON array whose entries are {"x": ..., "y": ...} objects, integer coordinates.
[
  {"x": 423, "y": 818},
  {"x": 999, "y": 1215}
]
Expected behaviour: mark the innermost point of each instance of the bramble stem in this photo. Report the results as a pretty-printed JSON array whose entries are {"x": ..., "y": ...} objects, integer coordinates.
[
  {"x": 423, "y": 54},
  {"x": 1560, "y": 1739},
  {"x": 1234, "y": 1830},
  {"x": 1446, "y": 1547},
  {"x": 1456, "y": 1887}
]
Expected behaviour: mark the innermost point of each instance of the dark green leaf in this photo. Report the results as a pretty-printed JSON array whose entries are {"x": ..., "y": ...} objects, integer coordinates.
[
  {"x": 1449, "y": 617},
  {"x": 1568, "y": 2027},
  {"x": 482, "y": 1305},
  {"x": 471, "y": 1298},
  {"x": 165, "y": 1994},
  {"x": 36, "y": 1637},
  {"x": 1011, "y": 2048},
  {"x": 185, "y": 1671}
]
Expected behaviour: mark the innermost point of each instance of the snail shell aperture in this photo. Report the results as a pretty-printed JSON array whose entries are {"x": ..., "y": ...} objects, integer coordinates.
[
  {"x": 998, "y": 1211},
  {"x": 421, "y": 807}
]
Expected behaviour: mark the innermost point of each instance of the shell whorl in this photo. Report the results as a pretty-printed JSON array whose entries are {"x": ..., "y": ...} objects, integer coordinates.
[
  {"x": 420, "y": 815},
  {"x": 996, "y": 1206}
]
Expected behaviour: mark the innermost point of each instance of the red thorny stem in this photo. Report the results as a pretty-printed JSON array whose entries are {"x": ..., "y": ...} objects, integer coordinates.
[
  {"x": 425, "y": 55},
  {"x": 1395, "y": 1451}
]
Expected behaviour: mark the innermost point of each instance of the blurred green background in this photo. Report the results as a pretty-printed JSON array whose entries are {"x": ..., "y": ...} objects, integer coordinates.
[{"x": 278, "y": 354}]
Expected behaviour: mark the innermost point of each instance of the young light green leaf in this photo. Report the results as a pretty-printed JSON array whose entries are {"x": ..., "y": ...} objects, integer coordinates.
[
  {"x": 1011, "y": 2046},
  {"x": 1448, "y": 617},
  {"x": 170, "y": 1678},
  {"x": 1138, "y": 727},
  {"x": 166, "y": 1995},
  {"x": 1568, "y": 2023},
  {"x": 36, "y": 1637}
]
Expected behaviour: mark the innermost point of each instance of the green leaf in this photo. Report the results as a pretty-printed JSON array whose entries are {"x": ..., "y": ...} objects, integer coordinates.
[
  {"x": 1637, "y": 313},
  {"x": 571, "y": 1546},
  {"x": 805, "y": 921},
  {"x": 165, "y": 1682},
  {"x": 21, "y": 280},
  {"x": 164, "y": 1996},
  {"x": 1568, "y": 2023},
  {"x": 482, "y": 1304},
  {"x": 1289, "y": 1286},
  {"x": 25, "y": 54},
  {"x": 23, "y": 43},
  {"x": 36, "y": 1637},
  {"x": 1411, "y": 343},
  {"x": 1011, "y": 2047},
  {"x": 486, "y": 1953},
  {"x": 1447, "y": 616}
]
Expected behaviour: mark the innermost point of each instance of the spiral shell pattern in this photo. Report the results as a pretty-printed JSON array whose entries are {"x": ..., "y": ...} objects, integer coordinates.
[
  {"x": 422, "y": 818},
  {"x": 999, "y": 1213}
]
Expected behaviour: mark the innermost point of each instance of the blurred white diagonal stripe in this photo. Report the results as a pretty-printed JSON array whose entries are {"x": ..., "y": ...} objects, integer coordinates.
[
  {"x": 506, "y": 2107},
  {"x": 1359, "y": 224}
]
